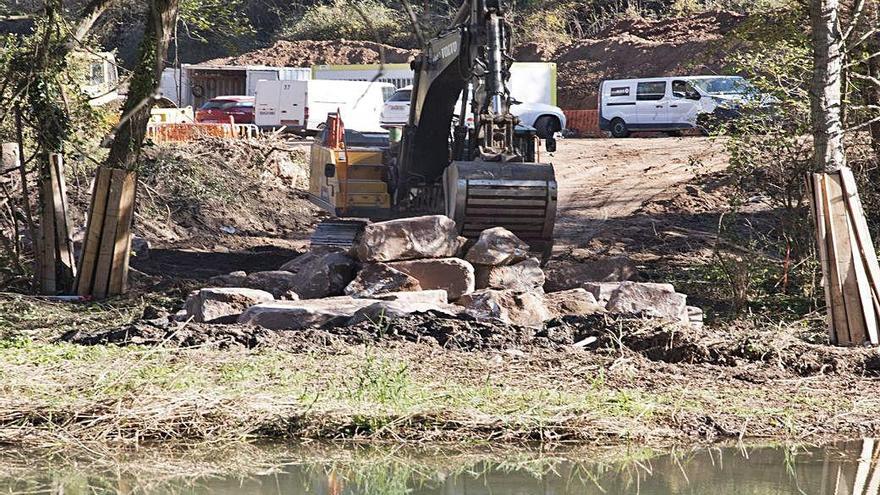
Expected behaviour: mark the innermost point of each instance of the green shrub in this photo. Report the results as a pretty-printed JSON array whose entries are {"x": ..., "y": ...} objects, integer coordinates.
[{"x": 340, "y": 20}]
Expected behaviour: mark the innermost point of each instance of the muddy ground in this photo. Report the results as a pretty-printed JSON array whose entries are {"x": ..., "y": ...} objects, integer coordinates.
[{"x": 595, "y": 379}]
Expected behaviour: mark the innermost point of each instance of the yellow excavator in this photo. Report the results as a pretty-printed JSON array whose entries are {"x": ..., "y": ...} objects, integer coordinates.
[{"x": 462, "y": 153}]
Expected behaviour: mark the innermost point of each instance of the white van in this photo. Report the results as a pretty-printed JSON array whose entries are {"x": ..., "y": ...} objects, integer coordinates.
[
  {"x": 546, "y": 119},
  {"x": 667, "y": 104},
  {"x": 302, "y": 106}
]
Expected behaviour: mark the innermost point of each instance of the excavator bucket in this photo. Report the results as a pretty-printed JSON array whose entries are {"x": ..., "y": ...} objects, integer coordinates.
[{"x": 520, "y": 197}]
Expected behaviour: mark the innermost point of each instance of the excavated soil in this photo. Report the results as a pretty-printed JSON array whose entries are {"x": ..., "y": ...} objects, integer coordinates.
[
  {"x": 308, "y": 53},
  {"x": 798, "y": 352},
  {"x": 637, "y": 48}
]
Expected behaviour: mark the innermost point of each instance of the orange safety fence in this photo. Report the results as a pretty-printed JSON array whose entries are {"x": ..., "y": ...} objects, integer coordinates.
[
  {"x": 177, "y": 133},
  {"x": 584, "y": 123}
]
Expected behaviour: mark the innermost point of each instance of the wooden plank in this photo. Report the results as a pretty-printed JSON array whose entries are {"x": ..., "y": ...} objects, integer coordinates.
[
  {"x": 59, "y": 211},
  {"x": 47, "y": 234},
  {"x": 864, "y": 468},
  {"x": 108, "y": 236},
  {"x": 836, "y": 305},
  {"x": 92, "y": 241},
  {"x": 865, "y": 245},
  {"x": 817, "y": 192},
  {"x": 843, "y": 255},
  {"x": 122, "y": 245}
]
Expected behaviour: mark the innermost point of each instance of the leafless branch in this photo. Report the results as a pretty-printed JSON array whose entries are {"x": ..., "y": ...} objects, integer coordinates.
[{"x": 857, "y": 16}]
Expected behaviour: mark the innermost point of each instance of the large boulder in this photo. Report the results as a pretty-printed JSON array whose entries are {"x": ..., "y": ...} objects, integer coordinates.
[
  {"x": 296, "y": 315},
  {"x": 523, "y": 276},
  {"x": 497, "y": 247},
  {"x": 436, "y": 296},
  {"x": 650, "y": 299},
  {"x": 281, "y": 284},
  {"x": 222, "y": 305},
  {"x": 513, "y": 307},
  {"x": 383, "y": 311},
  {"x": 234, "y": 279},
  {"x": 603, "y": 291},
  {"x": 321, "y": 273},
  {"x": 433, "y": 236},
  {"x": 572, "y": 302},
  {"x": 379, "y": 278},
  {"x": 454, "y": 275},
  {"x": 565, "y": 275}
]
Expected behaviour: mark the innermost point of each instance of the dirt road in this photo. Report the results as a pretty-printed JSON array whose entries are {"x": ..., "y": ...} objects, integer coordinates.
[{"x": 605, "y": 179}]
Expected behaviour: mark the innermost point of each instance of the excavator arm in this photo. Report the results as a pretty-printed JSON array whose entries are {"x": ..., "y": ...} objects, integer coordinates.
[{"x": 484, "y": 174}]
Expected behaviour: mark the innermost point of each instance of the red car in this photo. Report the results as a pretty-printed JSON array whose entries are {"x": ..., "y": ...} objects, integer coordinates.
[{"x": 219, "y": 110}]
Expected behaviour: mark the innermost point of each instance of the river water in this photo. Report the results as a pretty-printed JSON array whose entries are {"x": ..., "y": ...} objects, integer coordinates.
[{"x": 847, "y": 468}]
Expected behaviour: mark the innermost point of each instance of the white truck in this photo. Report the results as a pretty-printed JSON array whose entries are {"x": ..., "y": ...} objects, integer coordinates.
[
  {"x": 302, "y": 106},
  {"x": 669, "y": 104},
  {"x": 530, "y": 82}
]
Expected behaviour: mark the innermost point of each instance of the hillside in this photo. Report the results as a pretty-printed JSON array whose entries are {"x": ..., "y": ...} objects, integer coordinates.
[{"x": 628, "y": 48}]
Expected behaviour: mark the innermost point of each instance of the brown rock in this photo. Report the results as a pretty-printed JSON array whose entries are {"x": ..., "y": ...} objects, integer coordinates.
[
  {"x": 380, "y": 278},
  {"x": 382, "y": 311},
  {"x": 222, "y": 305},
  {"x": 433, "y": 236},
  {"x": 523, "y": 276},
  {"x": 602, "y": 291},
  {"x": 296, "y": 315},
  {"x": 234, "y": 279},
  {"x": 517, "y": 308},
  {"x": 437, "y": 296},
  {"x": 565, "y": 275},
  {"x": 321, "y": 273},
  {"x": 572, "y": 302},
  {"x": 497, "y": 247},
  {"x": 454, "y": 275},
  {"x": 278, "y": 283},
  {"x": 651, "y": 299}
]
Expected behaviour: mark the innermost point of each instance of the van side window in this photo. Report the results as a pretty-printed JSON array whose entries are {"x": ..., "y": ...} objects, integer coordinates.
[
  {"x": 680, "y": 89},
  {"x": 651, "y": 91}
]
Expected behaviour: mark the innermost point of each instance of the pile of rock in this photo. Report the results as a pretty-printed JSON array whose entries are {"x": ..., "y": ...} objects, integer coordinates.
[{"x": 417, "y": 265}]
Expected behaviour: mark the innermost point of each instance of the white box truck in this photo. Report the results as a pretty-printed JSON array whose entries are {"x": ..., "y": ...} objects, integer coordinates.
[
  {"x": 302, "y": 106},
  {"x": 530, "y": 82}
]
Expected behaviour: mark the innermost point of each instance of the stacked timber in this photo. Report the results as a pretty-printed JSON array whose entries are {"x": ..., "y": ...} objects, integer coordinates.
[
  {"x": 104, "y": 262},
  {"x": 56, "y": 266},
  {"x": 849, "y": 262}
]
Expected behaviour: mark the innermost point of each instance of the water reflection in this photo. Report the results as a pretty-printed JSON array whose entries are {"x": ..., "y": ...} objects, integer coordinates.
[{"x": 849, "y": 468}]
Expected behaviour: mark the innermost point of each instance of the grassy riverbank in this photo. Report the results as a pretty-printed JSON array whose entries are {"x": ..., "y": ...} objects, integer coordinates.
[{"x": 646, "y": 384}]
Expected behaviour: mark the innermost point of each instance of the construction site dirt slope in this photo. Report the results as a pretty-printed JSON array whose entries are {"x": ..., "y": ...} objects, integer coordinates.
[
  {"x": 307, "y": 53},
  {"x": 631, "y": 47}
]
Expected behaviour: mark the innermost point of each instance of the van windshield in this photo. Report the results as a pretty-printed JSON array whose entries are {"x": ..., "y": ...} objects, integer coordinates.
[{"x": 724, "y": 86}]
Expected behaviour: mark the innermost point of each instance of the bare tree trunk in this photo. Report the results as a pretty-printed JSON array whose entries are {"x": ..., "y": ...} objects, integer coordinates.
[
  {"x": 130, "y": 135},
  {"x": 825, "y": 93},
  {"x": 106, "y": 249},
  {"x": 872, "y": 90}
]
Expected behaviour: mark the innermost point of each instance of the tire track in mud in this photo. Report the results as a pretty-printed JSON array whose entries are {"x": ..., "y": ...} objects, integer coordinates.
[{"x": 610, "y": 179}]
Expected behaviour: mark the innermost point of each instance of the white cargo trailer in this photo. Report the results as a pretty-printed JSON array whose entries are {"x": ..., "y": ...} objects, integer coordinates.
[
  {"x": 530, "y": 82},
  {"x": 302, "y": 106},
  {"x": 198, "y": 83}
]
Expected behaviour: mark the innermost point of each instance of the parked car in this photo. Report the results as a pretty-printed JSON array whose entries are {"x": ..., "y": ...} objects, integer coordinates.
[
  {"x": 222, "y": 109},
  {"x": 671, "y": 104},
  {"x": 546, "y": 119}
]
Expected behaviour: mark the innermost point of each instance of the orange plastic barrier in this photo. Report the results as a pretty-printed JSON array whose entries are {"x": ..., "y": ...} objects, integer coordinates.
[
  {"x": 584, "y": 123},
  {"x": 176, "y": 133}
]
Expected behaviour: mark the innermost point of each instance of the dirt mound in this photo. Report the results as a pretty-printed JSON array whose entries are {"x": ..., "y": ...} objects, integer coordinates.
[
  {"x": 642, "y": 48},
  {"x": 215, "y": 191},
  {"x": 744, "y": 345},
  {"x": 307, "y": 53}
]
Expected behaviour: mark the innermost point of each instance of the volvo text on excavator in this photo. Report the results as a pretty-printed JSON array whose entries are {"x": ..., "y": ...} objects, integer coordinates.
[{"x": 462, "y": 153}]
